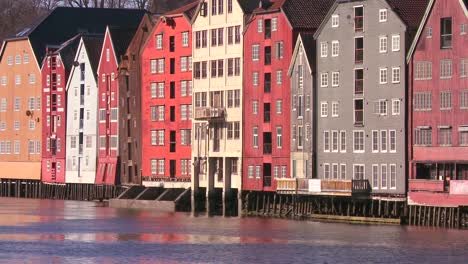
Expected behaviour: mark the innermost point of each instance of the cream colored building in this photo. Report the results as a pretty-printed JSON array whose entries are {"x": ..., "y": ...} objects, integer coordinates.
[{"x": 217, "y": 94}]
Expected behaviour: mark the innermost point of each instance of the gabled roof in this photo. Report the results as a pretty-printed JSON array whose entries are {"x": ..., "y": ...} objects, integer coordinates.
[
  {"x": 410, "y": 13},
  {"x": 67, "y": 52},
  {"x": 93, "y": 46},
  {"x": 188, "y": 10},
  {"x": 248, "y": 6},
  {"x": 307, "y": 14},
  {"x": 121, "y": 38},
  {"x": 65, "y": 22},
  {"x": 307, "y": 41}
]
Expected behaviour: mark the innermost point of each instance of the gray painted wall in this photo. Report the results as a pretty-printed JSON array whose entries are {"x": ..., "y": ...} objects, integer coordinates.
[{"x": 373, "y": 91}]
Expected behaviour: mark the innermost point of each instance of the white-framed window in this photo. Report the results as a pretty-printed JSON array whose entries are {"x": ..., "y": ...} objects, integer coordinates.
[
  {"x": 423, "y": 70},
  {"x": 107, "y": 55},
  {"x": 383, "y": 75},
  {"x": 383, "y": 15},
  {"x": 358, "y": 141},
  {"x": 259, "y": 25},
  {"x": 32, "y": 124},
  {"x": 185, "y": 39},
  {"x": 392, "y": 140},
  {"x": 335, "y": 109},
  {"x": 324, "y": 79},
  {"x": 4, "y": 80},
  {"x": 32, "y": 78},
  {"x": 358, "y": 171},
  {"x": 326, "y": 171},
  {"x": 255, "y": 52},
  {"x": 445, "y": 69},
  {"x": 335, "y": 79},
  {"x": 335, "y": 171},
  {"x": 383, "y": 44},
  {"x": 16, "y": 125},
  {"x": 396, "y": 75},
  {"x": 392, "y": 176},
  {"x": 153, "y": 88},
  {"x": 335, "y": 48},
  {"x": 18, "y": 59},
  {"x": 255, "y": 137},
  {"x": 257, "y": 172},
  {"x": 279, "y": 106},
  {"x": 279, "y": 77},
  {"x": 3, "y": 105},
  {"x": 279, "y": 137},
  {"x": 375, "y": 141},
  {"x": 276, "y": 172},
  {"x": 342, "y": 171},
  {"x": 26, "y": 59},
  {"x": 2, "y": 126},
  {"x": 274, "y": 24},
  {"x": 335, "y": 21},
  {"x": 383, "y": 141},
  {"x": 250, "y": 172},
  {"x": 383, "y": 176},
  {"x": 161, "y": 165},
  {"x": 160, "y": 137},
  {"x": 17, "y": 104},
  {"x": 255, "y": 78},
  {"x": 160, "y": 89},
  {"x": 335, "y": 141},
  {"x": 326, "y": 141},
  {"x": 255, "y": 107},
  {"x": 445, "y": 100},
  {"x": 160, "y": 65},
  {"x": 463, "y": 29},
  {"x": 343, "y": 141},
  {"x": 396, "y": 105},
  {"x": 395, "y": 42},
  {"x": 153, "y": 66},
  {"x": 375, "y": 176},
  {"x": 323, "y": 49},
  {"x": 159, "y": 41},
  {"x": 323, "y": 109},
  {"x": 17, "y": 79},
  {"x": 283, "y": 171},
  {"x": 16, "y": 147},
  {"x": 382, "y": 107}
]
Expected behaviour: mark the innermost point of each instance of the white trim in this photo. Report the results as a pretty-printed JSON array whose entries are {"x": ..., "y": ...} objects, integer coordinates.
[{"x": 363, "y": 171}]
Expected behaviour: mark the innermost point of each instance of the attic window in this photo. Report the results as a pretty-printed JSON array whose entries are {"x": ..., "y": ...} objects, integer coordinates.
[
  {"x": 383, "y": 15},
  {"x": 335, "y": 21},
  {"x": 429, "y": 32},
  {"x": 462, "y": 29}
]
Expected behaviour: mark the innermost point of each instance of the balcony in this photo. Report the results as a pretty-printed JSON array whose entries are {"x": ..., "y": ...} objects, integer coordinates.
[
  {"x": 316, "y": 186},
  {"x": 209, "y": 113},
  {"x": 423, "y": 185},
  {"x": 286, "y": 185}
]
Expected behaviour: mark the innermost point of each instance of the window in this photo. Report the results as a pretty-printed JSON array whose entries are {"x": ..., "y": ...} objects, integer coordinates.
[
  {"x": 334, "y": 171},
  {"x": 462, "y": 29},
  {"x": 392, "y": 140},
  {"x": 32, "y": 78},
  {"x": 359, "y": 50},
  {"x": 396, "y": 106},
  {"x": 392, "y": 176},
  {"x": 375, "y": 176},
  {"x": 335, "y": 21},
  {"x": 396, "y": 75},
  {"x": 383, "y": 141},
  {"x": 463, "y": 68},
  {"x": 383, "y": 15},
  {"x": 429, "y": 32},
  {"x": 31, "y": 103},
  {"x": 18, "y": 79},
  {"x": 237, "y": 35},
  {"x": 279, "y": 137},
  {"x": 214, "y": 7},
  {"x": 358, "y": 111},
  {"x": 422, "y": 101},
  {"x": 326, "y": 141},
  {"x": 446, "y": 33},
  {"x": 335, "y": 141},
  {"x": 279, "y": 77},
  {"x": 323, "y": 49},
  {"x": 259, "y": 25},
  {"x": 383, "y": 76},
  {"x": 250, "y": 171},
  {"x": 257, "y": 172},
  {"x": 383, "y": 44},
  {"x": 32, "y": 124},
  {"x": 326, "y": 171},
  {"x": 358, "y": 141},
  {"x": 3, "y": 105},
  {"x": 423, "y": 136},
  {"x": 395, "y": 42},
  {"x": 335, "y": 79},
  {"x": 18, "y": 59},
  {"x": 343, "y": 141},
  {"x": 464, "y": 99},
  {"x": 381, "y": 107},
  {"x": 445, "y": 100},
  {"x": 335, "y": 109},
  {"x": 358, "y": 18},
  {"x": 375, "y": 141},
  {"x": 159, "y": 41},
  {"x": 300, "y": 137},
  {"x": 445, "y": 136},
  {"x": 16, "y": 125},
  {"x": 324, "y": 79},
  {"x": 279, "y": 49},
  {"x": 255, "y": 52},
  {"x": 274, "y": 24},
  {"x": 160, "y": 65},
  {"x": 423, "y": 70},
  {"x": 255, "y": 79},
  {"x": 279, "y": 106},
  {"x": 17, "y": 104},
  {"x": 185, "y": 39},
  {"x": 153, "y": 64},
  {"x": 358, "y": 172},
  {"x": 343, "y": 171},
  {"x": 463, "y": 136},
  {"x": 445, "y": 69},
  {"x": 383, "y": 176},
  {"x": 4, "y": 80},
  {"x": 323, "y": 109},
  {"x": 185, "y": 137},
  {"x": 255, "y": 107},
  {"x": 335, "y": 48},
  {"x": 2, "y": 126},
  {"x": 16, "y": 147}
]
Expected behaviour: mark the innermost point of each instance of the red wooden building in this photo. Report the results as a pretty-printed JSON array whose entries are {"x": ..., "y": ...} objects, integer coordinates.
[
  {"x": 438, "y": 117},
  {"x": 167, "y": 98},
  {"x": 55, "y": 70},
  {"x": 116, "y": 41},
  {"x": 269, "y": 41}
]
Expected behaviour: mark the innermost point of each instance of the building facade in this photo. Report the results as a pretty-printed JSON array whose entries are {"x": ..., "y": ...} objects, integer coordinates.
[
  {"x": 361, "y": 93},
  {"x": 167, "y": 99},
  {"x": 82, "y": 113},
  {"x": 129, "y": 78},
  {"x": 438, "y": 117},
  {"x": 55, "y": 71}
]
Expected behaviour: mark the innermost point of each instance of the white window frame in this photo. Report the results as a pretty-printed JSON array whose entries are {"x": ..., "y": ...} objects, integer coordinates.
[
  {"x": 383, "y": 141},
  {"x": 396, "y": 43},
  {"x": 363, "y": 170},
  {"x": 390, "y": 148},
  {"x": 396, "y": 106},
  {"x": 335, "y": 21},
  {"x": 382, "y": 166},
  {"x": 323, "y": 109},
  {"x": 343, "y": 150},
  {"x": 323, "y": 49},
  {"x": 363, "y": 141},
  {"x": 335, "y": 48},
  {"x": 335, "y": 109},
  {"x": 375, "y": 138},
  {"x": 324, "y": 79},
  {"x": 383, "y": 15},
  {"x": 396, "y": 75},
  {"x": 383, "y": 72},
  {"x": 375, "y": 169},
  {"x": 383, "y": 44},
  {"x": 335, "y": 79}
]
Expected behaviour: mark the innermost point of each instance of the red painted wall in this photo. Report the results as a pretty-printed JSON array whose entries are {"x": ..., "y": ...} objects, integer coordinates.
[
  {"x": 50, "y": 109},
  {"x": 254, "y": 156},
  {"x": 428, "y": 49},
  {"x": 177, "y": 25},
  {"x": 108, "y": 98}
]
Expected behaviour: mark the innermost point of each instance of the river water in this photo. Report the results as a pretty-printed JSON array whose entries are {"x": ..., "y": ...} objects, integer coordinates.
[{"x": 45, "y": 231}]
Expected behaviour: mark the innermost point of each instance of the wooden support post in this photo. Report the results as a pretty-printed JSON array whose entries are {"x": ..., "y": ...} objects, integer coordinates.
[
  {"x": 280, "y": 205},
  {"x": 410, "y": 215},
  {"x": 268, "y": 205},
  {"x": 274, "y": 204},
  {"x": 256, "y": 206},
  {"x": 445, "y": 217}
]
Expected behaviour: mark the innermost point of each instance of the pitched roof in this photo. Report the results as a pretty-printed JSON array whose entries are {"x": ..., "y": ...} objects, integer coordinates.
[
  {"x": 121, "y": 38},
  {"x": 306, "y": 14},
  {"x": 411, "y": 13},
  {"x": 67, "y": 51},
  {"x": 65, "y": 22},
  {"x": 93, "y": 45},
  {"x": 248, "y": 6},
  {"x": 188, "y": 10},
  {"x": 307, "y": 41}
]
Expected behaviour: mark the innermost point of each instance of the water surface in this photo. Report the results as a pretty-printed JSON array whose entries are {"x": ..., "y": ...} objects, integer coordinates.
[{"x": 46, "y": 231}]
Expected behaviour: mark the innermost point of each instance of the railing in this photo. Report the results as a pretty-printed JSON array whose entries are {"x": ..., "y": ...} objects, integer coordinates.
[
  {"x": 209, "y": 113},
  {"x": 286, "y": 185},
  {"x": 360, "y": 186},
  {"x": 358, "y": 23},
  {"x": 459, "y": 187},
  {"x": 302, "y": 185},
  {"x": 446, "y": 41},
  {"x": 358, "y": 86},
  {"x": 359, "y": 56},
  {"x": 336, "y": 186},
  {"x": 358, "y": 117},
  {"x": 418, "y": 185},
  {"x": 266, "y": 181},
  {"x": 267, "y": 148}
]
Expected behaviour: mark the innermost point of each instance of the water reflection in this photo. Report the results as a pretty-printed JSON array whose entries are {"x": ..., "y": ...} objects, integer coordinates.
[{"x": 43, "y": 231}]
